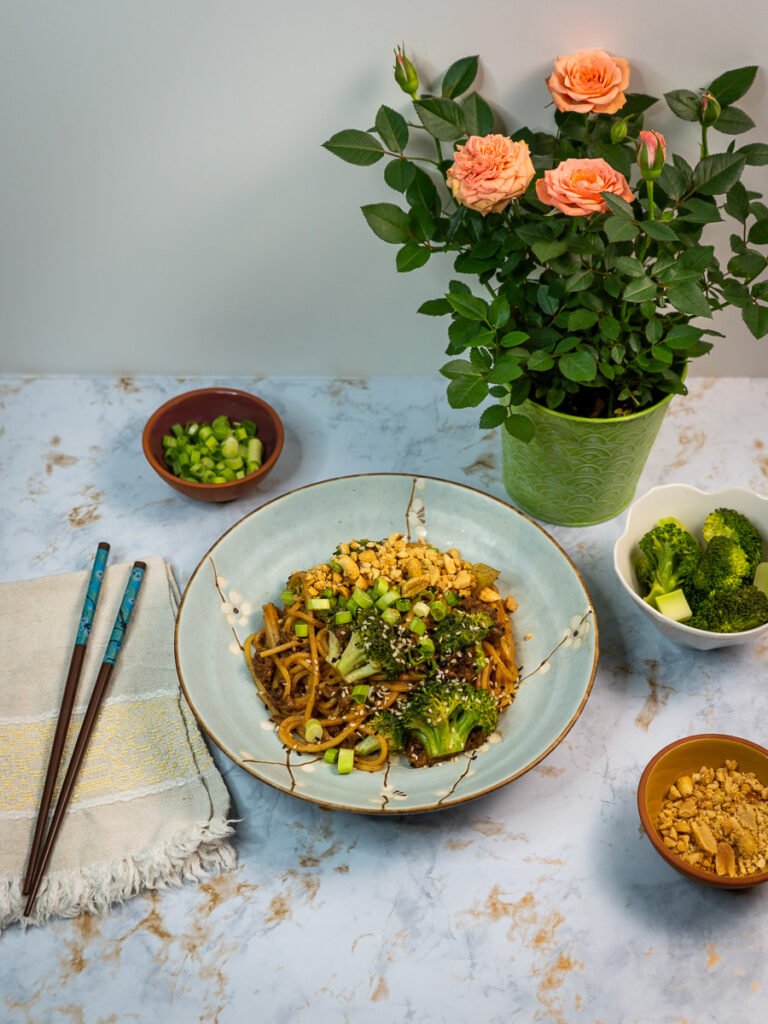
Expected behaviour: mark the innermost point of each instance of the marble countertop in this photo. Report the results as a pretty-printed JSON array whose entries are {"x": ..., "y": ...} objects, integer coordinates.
[{"x": 542, "y": 901}]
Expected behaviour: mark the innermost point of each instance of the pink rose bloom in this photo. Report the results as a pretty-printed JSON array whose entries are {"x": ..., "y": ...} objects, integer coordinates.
[
  {"x": 489, "y": 171},
  {"x": 575, "y": 186},
  {"x": 589, "y": 82}
]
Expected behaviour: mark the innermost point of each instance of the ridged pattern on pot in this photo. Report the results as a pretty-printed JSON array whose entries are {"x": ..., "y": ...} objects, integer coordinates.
[{"x": 577, "y": 472}]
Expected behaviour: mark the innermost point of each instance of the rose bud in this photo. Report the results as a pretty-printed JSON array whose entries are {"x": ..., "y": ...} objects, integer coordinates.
[
  {"x": 651, "y": 154},
  {"x": 710, "y": 109},
  {"x": 405, "y": 73},
  {"x": 619, "y": 131}
]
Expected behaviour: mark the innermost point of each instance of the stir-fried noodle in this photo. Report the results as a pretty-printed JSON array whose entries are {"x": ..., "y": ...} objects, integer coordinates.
[{"x": 389, "y": 646}]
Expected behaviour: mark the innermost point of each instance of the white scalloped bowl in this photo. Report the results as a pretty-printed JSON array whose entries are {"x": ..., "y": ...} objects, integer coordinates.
[{"x": 691, "y": 506}]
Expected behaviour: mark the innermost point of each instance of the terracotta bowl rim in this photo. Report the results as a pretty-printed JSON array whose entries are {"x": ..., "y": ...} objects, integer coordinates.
[
  {"x": 201, "y": 488},
  {"x": 692, "y": 872}
]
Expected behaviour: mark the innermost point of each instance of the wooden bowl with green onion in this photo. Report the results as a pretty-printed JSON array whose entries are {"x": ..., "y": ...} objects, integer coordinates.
[{"x": 213, "y": 444}]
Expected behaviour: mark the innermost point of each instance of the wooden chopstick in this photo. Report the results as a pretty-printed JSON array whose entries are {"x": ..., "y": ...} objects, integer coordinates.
[
  {"x": 86, "y": 729},
  {"x": 67, "y": 702}
]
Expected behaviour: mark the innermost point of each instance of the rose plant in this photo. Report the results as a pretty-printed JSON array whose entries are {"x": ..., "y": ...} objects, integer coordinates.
[{"x": 587, "y": 242}]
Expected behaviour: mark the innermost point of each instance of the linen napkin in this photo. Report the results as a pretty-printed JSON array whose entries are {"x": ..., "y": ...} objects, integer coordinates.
[{"x": 150, "y": 807}]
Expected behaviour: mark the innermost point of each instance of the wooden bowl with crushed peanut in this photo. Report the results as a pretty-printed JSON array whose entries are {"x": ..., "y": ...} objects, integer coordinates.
[{"x": 703, "y": 802}]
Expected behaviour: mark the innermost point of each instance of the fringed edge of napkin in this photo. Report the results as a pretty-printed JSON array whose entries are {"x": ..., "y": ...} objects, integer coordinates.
[{"x": 193, "y": 855}]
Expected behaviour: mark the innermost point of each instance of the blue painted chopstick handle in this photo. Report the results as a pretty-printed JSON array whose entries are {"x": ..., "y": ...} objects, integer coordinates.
[
  {"x": 124, "y": 615},
  {"x": 92, "y": 594}
]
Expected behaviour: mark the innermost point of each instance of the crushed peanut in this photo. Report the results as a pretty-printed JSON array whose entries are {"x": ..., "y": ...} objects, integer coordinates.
[
  {"x": 412, "y": 567},
  {"x": 717, "y": 820}
]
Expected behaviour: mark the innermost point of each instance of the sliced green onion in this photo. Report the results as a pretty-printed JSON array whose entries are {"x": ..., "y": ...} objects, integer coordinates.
[
  {"x": 342, "y": 618},
  {"x": 328, "y": 592},
  {"x": 367, "y": 745},
  {"x": 360, "y": 693},
  {"x": 346, "y": 760},
  {"x": 318, "y": 604},
  {"x": 229, "y": 447},
  {"x": 313, "y": 731},
  {"x": 421, "y": 609},
  {"x": 168, "y": 441},
  {"x": 361, "y": 599},
  {"x": 391, "y": 616},
  {"x": 288, "y": 596},
  {"x": 331, "y": 754},
  {"x": 403, "y": 605},
  {"x": 451, "y": 598},
  {"x": 334, "y": 566},
  {"x": 417, "y": 626},
  {"x": 438, "y": 610},
  {"x": 177, "y": 429},
  {"x": 380, "y": 587},
  {"x": 255, "y": 451},
  {"x": 387, "y": 599},
  {"x": 301, "y": 629}
]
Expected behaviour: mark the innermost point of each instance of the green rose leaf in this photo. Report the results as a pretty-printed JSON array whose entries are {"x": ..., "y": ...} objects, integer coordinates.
[
  {"x": 442, "y": 118},
  {"x": 492, "y": 417},
  {"x": 672, "y": 181},
  {"x": 716, "y": 174},
  {"x": 755, "y": 153},
  {"x": 683, "y": 103},
  {"x": 658, "y": 230},
  {"x": 520, "y": 427},
  {"x": 578, "y": 366},
  {"x": 699, "y": 211},
  {"x": 468, "y": 305},
  {"x": 689, "y": 298},
  {"x": 456, "y": 368},
  {"x": 733, "y": 121},
  {"x": 422, "y": 223},
  {"x": 435, "y": 307},
  {"x": 461, "y": 333},
  {"x": 620, "y": 207},
  {"x": 392, "y": 128},
  {"x": 459, "y": 77},
  {"x": 399, "y": 174},
  {"x": 465, "y": 392},
  {"x": 355, "y": 147},
  {"x": 755, "y": 317},
  {"x": 637, "y": 103},
  {"x": 500, "y": 311},
  {"x": 549, "y": 250},
  {"x": 630, "y": 265},
  {"x": 581, "y": 319},
  {"x": 579, "y": 281},
  {"x": 478, "y": 116},
  {"x": 681, "y": 337},
  {"x": 737, "y": 203},
  {"x": 618, "y": 229},
  {"x": 732, "y": 85},
  {"x": 540, "y": 361},
  {"x": 388, "y": 221},
  {"x": 422, "y": 191},
  {"x": 506, "y": 368},
  {"x": 411, "y": 257},
  {"x": 639, "y": 289},
  {"x": 697, "y": 258},
  {"x": 758, "y": 233},
  {"x": 749, "y": 265},
  {"x": 514, "y": 338}
]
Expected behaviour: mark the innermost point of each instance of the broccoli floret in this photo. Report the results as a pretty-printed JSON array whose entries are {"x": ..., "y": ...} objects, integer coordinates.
[
  {"x": 726, "y": 522},
  {"x": 441, "y": 715},
  {"x": 668, "y": 556},
  {"x": 460, "y": 630},
  {"x": 732, "y": 611},
  {"x": 723, "y": 566},
  {"x": 374, "y": 647},
  {"x": 390, "y": 726}
]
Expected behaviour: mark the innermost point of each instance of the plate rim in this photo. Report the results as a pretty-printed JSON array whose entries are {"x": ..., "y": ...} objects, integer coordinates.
[{"x": 383, "y": 811}]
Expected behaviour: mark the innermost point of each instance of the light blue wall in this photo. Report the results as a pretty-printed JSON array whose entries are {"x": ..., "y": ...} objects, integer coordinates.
[{"x": 165, "y": 204}]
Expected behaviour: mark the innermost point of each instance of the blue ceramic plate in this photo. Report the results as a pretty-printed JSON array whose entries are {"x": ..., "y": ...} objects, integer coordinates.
[{"x": 248, "y": 566}]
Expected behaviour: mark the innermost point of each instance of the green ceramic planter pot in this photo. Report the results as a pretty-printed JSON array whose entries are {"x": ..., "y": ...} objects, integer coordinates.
[{"x": 576, "y": 471}]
